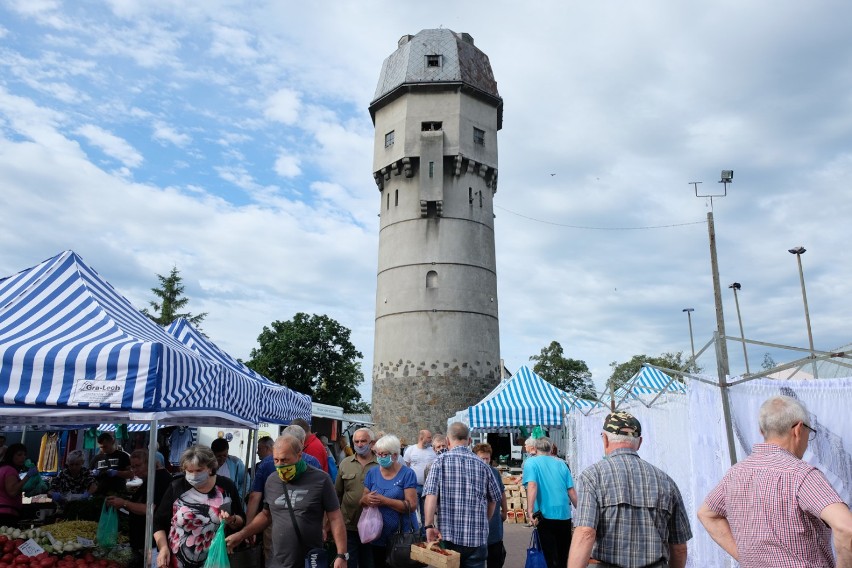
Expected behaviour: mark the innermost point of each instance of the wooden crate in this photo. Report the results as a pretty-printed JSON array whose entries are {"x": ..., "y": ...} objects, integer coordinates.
[{"x": 432, "y": 556}]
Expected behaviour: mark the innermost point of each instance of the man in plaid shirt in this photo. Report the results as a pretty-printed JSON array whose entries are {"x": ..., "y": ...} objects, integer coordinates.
[
  {"x": 772, "y": 508},
  {"x": 463, "y": 489},
  {"x": 630, "y": 514}
]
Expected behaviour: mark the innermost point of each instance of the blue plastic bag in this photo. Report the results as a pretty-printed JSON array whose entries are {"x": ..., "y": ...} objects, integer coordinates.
[{"x": 535, "y": 555}]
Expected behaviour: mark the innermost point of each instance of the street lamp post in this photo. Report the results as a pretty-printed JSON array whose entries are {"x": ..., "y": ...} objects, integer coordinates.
[
  {"x": 691, "y": 340},
  {"x": 736, "y": 286},
  {"x": 799, "y": 251}
]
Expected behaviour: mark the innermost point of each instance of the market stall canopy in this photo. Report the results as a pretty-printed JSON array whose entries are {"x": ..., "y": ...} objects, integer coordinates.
[
  {"x": 524, "y": 400},
  {"x": 73, "y": 350},
  {"x": 648, "y": 382},
  {"x": 278, "y": 405}
]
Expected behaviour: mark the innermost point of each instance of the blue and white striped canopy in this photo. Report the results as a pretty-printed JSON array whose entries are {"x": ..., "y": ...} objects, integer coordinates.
[
  {"x": 647, "y": 381},
  {"x": 524, "y": 400},
  {"x": 73, "y": 350},
  {"x": 277, "y": 404}
]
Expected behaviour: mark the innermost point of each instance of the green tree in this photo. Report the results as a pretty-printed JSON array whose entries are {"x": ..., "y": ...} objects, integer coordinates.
[
  {"x": 171, "y": 301},
  {"x": 571, "y": 375},
  {"x": 623, "y": 372},
  {"x": 312, "y": 355}
]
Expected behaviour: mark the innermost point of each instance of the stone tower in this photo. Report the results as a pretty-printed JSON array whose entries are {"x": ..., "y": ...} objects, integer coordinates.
[{"x": 437, "y": 347}]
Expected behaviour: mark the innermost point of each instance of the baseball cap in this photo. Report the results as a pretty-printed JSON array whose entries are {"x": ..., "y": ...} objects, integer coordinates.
[{"x": 622, "y": 423}]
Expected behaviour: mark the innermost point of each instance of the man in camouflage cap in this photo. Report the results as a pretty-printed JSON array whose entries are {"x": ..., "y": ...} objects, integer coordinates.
[{"x": 630, "y": 514}]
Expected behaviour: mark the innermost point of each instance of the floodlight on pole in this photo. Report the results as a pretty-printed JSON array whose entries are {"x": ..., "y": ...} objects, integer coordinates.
[
  {"x": 736, "y": 286},
  {"x": 691, "y": 340},
  {"x": 799, "y": 251}
]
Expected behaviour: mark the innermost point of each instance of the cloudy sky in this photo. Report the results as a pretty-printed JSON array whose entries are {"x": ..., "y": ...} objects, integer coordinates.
[{"x": 232, "y": 140}]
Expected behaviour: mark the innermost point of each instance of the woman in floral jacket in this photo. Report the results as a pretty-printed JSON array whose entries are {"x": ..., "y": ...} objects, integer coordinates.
[{"x": 192, "y": 509}]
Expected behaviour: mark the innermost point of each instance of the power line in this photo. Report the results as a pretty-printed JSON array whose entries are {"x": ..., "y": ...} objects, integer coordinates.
[{"x": 599, "y": 228}]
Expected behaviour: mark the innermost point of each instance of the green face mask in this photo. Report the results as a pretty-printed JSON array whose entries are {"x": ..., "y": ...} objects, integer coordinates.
[{"x": 289, "y": 472}]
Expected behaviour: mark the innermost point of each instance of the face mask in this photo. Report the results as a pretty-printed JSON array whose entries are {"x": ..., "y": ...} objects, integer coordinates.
[
  {"x": 289, "y": 472},
  {"x": 196, "y": 479},
  {"x": 441, "y": 451},
  {"x": 362, "y": 450},
  {"x": 427, "y": 445},
  {"x": 385, "y": 461}
]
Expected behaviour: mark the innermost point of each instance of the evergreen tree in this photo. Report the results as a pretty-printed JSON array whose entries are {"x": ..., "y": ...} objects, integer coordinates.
[{"x": 171, "y": 301}]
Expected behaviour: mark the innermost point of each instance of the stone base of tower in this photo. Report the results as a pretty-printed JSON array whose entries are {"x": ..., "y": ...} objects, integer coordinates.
[{"x": 409, "y": 396}]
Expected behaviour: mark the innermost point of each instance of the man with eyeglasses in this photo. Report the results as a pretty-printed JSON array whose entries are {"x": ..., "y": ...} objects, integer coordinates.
[{"x": 772, "y": 508}]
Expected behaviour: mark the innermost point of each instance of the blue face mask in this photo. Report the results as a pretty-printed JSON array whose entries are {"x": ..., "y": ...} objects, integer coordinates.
[{"x": 385, "y": 461}]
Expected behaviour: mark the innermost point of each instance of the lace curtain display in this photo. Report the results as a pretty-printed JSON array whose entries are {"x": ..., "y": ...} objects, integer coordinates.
[{"x": 685, "y": 437}]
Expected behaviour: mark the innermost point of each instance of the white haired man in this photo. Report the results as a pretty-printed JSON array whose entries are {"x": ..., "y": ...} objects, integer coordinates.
[
  {"x": 772, "y": 508},
  {"x": 350, "y": 488},
  {"x": 629, "y": 513}
]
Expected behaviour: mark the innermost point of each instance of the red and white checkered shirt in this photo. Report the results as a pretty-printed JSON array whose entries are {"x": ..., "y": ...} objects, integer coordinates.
[{"x": 772, "y": 501}]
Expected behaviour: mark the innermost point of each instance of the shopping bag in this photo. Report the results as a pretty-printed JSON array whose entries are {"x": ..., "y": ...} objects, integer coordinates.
[
  {"x": 316, "y": 558},
  {"x": 217, "y": 554},
  {"x": 370, "y": 524},
  {"x": 399, "y": 544},
  {"x": 535, "y": 555},
  {"x": 107, "y": 527}
]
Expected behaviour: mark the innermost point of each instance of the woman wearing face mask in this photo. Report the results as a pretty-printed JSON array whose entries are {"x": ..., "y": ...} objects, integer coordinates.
[
  {"x": 191, "y": 510},
  {"x": 392, "y": 487}
]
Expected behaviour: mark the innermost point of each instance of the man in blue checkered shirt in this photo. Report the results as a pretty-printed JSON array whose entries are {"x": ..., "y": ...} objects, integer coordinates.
[{"x": 464, "y": 491}]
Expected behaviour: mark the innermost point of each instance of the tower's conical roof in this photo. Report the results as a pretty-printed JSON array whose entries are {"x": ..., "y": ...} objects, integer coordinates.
[{"x": 414, "y": 63}]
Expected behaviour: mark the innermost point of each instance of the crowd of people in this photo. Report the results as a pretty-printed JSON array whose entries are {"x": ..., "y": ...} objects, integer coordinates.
[{"x": 771, "y": 509}]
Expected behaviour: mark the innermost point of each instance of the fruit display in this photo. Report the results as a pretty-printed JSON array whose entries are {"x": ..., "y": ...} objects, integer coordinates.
[{"x": 62, "y": 551}]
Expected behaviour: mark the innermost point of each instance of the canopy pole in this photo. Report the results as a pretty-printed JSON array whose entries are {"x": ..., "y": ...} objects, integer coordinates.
[
  {"x": 149, "y": 498},
  {"x": 252, "y": 434}
]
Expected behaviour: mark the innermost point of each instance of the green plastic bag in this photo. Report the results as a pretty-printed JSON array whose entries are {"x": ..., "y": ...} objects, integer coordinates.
[
  {"x": 217, "y": 556},
  {"x": 107, "y": 527}
]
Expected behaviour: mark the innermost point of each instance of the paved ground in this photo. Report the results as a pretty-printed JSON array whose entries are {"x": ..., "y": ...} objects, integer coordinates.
[{"x": 516, "y": 539}]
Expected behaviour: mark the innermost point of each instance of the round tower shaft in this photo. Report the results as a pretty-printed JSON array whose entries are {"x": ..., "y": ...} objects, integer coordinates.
[{"x": 437, "y": 349}]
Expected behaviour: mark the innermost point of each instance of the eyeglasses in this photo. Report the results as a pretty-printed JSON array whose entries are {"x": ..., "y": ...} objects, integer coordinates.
[
  {"x": 811, "y": 434},
  {"x": 382, "y": 454}
]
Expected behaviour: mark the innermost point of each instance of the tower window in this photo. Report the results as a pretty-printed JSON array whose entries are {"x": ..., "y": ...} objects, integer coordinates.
[
  {"x": 389, "y": 139},
  {"x": 431, "y": 279},
  {"x": 433, "y": 61},
  {"x": 470, "y": 195},
  {"x": 430, "y": 126},
  {"x": 396, "y": 198},
  {"x": 478, "y": 136},
  {"x": 388, "y": 207},
  {"x": 431, "y": 169}
]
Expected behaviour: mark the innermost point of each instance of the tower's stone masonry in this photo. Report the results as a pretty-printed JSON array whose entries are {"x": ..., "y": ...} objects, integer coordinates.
[{"x": 417, "y": 395}]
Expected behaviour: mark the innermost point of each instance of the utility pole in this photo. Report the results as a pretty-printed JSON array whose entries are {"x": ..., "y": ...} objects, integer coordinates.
[
  {"x": 736, "y": 286},
  {"x": 721, "y": 343}
]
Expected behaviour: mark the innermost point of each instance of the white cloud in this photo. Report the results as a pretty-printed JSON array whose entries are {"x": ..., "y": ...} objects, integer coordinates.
[
  {"x": 232, "y": 43},
  {"x": 283, "y": 106},
  {"x": 287, "y": 166},
  {"x": 111, "y": 145},
  {"x": 165, "y": 133}
]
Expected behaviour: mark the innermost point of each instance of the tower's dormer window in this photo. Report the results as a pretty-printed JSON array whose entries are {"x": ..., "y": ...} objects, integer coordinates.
[
  {"x": 389, "y": 139},
  {"x": 478, "y": 136},
  {"x": 431, "y": 126},
  {"x": 433, "y": 61}
]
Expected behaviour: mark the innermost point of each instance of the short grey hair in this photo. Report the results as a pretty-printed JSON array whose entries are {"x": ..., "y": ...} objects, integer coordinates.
[
  {"x": 297, "y": 431},
  {"x": 631, "y": 441},
  {"x": 543, "y": 445},
  {"x": 369, "y": 432},
  {"x": 388, "y": 443},
  {"x": 458, "y": 432},
  {"x": 266, "y": 442},
  {"x": 437, "y": 438},
  {"x": 289, "y": 440},
  {"x": 75, "y": 457},
  {"x": 779, "y": 414},
  {"x": 199, "y": 456}
]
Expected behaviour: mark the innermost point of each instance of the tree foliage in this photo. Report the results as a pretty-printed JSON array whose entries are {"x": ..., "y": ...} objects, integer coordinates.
[
  {"x": 571, "y": 375},
  {"x": 171, "y": 301},
  {"x": 312, "y": 355},
  {"x": 623, "y": 372}
]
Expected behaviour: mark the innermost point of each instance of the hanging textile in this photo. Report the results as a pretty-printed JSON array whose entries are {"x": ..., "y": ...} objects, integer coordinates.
[{"x": 48, "y": 455}]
